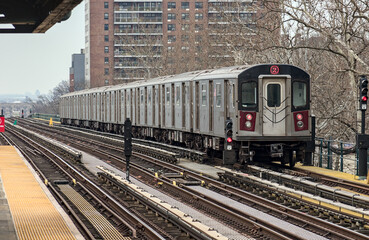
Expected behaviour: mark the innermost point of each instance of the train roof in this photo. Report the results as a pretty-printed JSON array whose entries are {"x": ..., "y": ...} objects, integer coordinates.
[{"x": 219, "y": 73}]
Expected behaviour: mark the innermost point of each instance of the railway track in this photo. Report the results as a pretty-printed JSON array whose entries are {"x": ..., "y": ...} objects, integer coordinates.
[
  {"x": 324, "y": 230},
  {"x": 125, "y": 226}
]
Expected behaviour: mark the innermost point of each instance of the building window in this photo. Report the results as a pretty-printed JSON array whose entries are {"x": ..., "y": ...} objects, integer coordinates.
[
  {"x": 171, "y": 27},
  {"x": 106, "y": 5},
  {"x": 106, "y": 27},
  {"x": 199, "y": 27},
  {"x": 185, "y": 16},
  {"x": 185, "y": 38},
  {"x": 106, "y": 38},
  {"x": 185, "y": 5},
  {"x": 171, "y": 38},
  {"x": 198, "y": 38},
  {"x": 199, "y": 16},
  {"x": 106, "y": 60},
  {"x": 185, "y": 27},
  {"x": 170, "y": 49},
  {"x": 106, "y": 49},
  {"x": 171, "y": 16},
  {"x": 106, "y": 16},
  {"x": 106, "y": 82},
  {"x": 106, "y": 71},
  {"x": 171, "y": 4},
  {"x": 198, "y": 5}
]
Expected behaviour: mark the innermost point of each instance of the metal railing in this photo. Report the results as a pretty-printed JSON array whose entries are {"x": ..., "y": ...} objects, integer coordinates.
[
  {"x": 336, "y": 155},
  {"x": 45, "y": 116}
]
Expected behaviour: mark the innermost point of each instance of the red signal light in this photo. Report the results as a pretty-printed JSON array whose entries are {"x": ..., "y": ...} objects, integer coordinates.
[
  {"x": 364, "y": 98},
  {"x": 229, "y": 140}
]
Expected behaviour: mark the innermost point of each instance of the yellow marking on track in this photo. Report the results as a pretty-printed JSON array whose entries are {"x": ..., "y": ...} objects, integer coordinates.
[{"x": 329, "y": 205}]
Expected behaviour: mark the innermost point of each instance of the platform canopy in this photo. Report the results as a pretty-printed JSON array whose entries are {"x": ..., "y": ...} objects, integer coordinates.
[{"x": 33, "y": 16}]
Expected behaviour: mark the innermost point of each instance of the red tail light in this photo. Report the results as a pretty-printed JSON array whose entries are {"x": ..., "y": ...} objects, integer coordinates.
[{"x": 229, "y": 140}]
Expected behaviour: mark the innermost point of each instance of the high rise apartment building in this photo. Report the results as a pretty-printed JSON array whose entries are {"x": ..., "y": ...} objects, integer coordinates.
[
  {"x": 77, "y": 72},
  {"x": 126, "y": 40}
]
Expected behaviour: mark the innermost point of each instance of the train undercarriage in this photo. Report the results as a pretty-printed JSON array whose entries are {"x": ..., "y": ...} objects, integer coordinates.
[{"x": 242, "y": 152}]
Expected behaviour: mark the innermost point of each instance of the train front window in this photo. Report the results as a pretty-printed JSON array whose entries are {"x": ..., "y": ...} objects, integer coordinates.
[
  {"x": 249, "y": 94},
  {"x": 299, "y": 94},
  {"x": 274, "y": 95}
]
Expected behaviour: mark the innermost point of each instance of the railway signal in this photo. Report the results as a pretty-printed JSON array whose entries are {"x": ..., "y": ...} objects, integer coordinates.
[
  {"x": 362, "y": 140},
  {"x": 229, "y": 133},
  {"x": 127, "y": 143},
  {"x": 363, "y": 93}
]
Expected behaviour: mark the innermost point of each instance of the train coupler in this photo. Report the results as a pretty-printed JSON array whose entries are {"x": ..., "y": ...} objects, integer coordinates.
[{"x": 276, "y": 150}]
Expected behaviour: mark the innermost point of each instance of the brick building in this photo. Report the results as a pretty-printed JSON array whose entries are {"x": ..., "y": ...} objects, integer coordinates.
[{"x": 131, "y": 40}]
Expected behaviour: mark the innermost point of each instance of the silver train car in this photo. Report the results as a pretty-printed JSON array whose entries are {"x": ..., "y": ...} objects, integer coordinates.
[{"x": 243, "y": 113}]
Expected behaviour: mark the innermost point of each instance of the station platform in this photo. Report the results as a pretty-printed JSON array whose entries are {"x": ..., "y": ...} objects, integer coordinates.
[
  {"x": 332, "y": 173},
  {"x": 28, "y": 210}
]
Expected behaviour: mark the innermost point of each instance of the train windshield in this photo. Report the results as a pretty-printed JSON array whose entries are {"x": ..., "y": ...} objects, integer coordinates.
[
  {"x": 274, "y": 95},
  {"x": 249, "y": 94},
  {"x": 299, "y": 94}
]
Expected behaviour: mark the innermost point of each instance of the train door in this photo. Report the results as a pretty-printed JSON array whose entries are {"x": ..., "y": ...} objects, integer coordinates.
[
  {"x": 154, "y": 107},
  {"x": 197, "y": 103},
  {"x": 274, "y": 106},
  {"x": 184, "y": 103},
  {"x": 211, "y": 106},
  {"x": 145, "y": 107},
  {"x": 191, "y": 105},
  {"x": 172, "y": 106},
  {"x": 162, "y": 115}
]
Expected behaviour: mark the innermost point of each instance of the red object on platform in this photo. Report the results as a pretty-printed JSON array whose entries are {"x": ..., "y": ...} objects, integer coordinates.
[{"x": 2, "y": 124}]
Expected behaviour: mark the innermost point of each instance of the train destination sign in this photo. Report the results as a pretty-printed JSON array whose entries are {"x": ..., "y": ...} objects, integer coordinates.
[{"x": 2, "y": 124}]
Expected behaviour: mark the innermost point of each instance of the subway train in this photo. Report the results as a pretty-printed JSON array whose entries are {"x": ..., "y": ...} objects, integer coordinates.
[{"x": 240, "y": 113}]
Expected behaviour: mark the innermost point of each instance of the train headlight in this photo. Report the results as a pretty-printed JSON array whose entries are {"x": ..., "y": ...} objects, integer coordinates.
[
  {"x": 248, "y": 124},
  {"x": 300, "y": 124}
]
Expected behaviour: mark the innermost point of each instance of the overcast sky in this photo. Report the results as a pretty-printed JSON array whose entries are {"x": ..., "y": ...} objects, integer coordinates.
[{"x": 30, "y": 62}]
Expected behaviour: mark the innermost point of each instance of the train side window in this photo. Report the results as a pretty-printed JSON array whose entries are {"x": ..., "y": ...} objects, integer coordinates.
[
  {"x": 149, "y": 97},
  {"x": 203, "y": 95},
  {"x": 274, "y": 95},
  {"x": 249, "y": 94},
  {"x": 299, "y": 94},
  {"x": 168, "y": 95},
  {"x": 218, "y": 94},
  {"x": 232, "y": 95},
  {"x": 177, "y": 95}
]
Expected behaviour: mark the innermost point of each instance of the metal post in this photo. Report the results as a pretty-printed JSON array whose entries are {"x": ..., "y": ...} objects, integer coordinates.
[
  {"x": 127, "y": 144},
  {"x": 329, "y": 157},
  {"x": 362, "y": 144},
  {"x": 341, "y": 165},
  {"x": 362, "y": 121},
  {"x": 321, "y": 153}
]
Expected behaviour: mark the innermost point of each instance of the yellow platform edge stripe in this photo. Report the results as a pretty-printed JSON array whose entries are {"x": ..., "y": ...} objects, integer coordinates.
[{"x": 35, "y": 217}]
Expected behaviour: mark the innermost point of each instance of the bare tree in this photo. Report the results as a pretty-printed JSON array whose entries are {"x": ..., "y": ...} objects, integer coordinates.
[
  {"x": 49, "y": 103},
  {"x": 330, "y": 40}
]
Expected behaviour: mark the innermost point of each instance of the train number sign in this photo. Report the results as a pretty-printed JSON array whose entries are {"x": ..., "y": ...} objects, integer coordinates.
[
  {"x": 274, "y": 69},
  {"x": 2, "y": 124}
]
